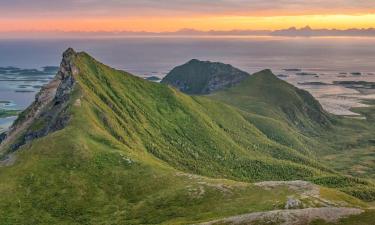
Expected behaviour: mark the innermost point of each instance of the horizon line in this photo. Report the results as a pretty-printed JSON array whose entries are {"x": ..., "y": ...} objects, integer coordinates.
[{"x": 291, "y": 31}]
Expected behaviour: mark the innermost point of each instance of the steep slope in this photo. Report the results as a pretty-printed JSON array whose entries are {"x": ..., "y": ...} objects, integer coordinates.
[
  {"x": 261, "y": 93},
  {"x": 203, "y": 77},
  {"x": 283, "y": 113},
  {"x": 264, "y": 94},
  {"x": 132, "y": 151}
]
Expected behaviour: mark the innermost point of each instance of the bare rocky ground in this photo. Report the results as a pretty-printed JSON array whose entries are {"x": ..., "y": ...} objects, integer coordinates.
[
  {"x": 306, "y": 195},
  {"x": 303, "y": 207},
  {"x": 289, "y": 216}
]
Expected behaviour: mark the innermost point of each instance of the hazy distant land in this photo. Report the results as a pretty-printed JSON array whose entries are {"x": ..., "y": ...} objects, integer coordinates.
[{"x": 306, "y": 31}]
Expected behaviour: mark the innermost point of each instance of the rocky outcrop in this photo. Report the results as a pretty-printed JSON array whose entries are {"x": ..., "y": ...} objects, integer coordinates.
[
  {"x": 293, "y": 203},
  {"x": 290, "y": 216},
  {"x": 2, "y": 137},
  {"x": 49, "y": 111},
  {"x": 204, "y": 77}
]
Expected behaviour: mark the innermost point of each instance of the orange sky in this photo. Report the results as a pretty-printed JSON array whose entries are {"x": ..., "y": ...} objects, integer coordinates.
[
  {"x": 172, "y": 15},
  {"x": 158, "y": 24}
]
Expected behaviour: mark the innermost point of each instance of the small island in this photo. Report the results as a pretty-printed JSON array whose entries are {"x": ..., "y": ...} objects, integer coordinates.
[
  {"x": 153, "y": 78},
  {"x": 313, "y": 83},
  {"x": 292, "y": 70},
  {"x": 306, "y": 74},
  {"x": 8, "y": 113}
]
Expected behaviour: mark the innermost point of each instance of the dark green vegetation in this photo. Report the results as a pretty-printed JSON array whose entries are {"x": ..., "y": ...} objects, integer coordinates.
[
  {"x": 203, "y": 77},
  {"x": 265, "y": 95},
  {"x": 350, "y": 148},
  {"x": 139, "y": 152},
  {"x": 294, "y": 118},
  {"x": 153, "y": 78}
]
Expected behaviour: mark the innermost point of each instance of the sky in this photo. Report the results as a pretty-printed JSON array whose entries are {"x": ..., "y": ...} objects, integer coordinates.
[{"x": 172, "y": 15}]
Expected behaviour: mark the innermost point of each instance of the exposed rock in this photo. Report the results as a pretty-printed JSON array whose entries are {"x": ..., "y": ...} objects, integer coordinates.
[
  {"x": 293, "y": 203},
  {"x": 48, "y": 113},
  {"x": 204, "y": 77},
  {"x": 2, "y": 137},
  {"x": 290, "y": 216},
  {"x": 303, "y": 187}
]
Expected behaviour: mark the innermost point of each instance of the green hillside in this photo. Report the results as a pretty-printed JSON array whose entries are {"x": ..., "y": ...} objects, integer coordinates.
[
  {"x": 203, "y": 77},
  {"x": 112, "y": 148},
  {"x": 264, "y": 94},
  {"x": 292, "y": 117}
]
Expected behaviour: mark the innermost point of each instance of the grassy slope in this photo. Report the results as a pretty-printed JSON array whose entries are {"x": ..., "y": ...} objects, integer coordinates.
[
  {"x": 192, "y": 134},
  {"x": 264, "y": 94},
  {"x": 119, "y": 160},
  {"x": 352, "y": 145},
  {"x": 285, "y": 118}
]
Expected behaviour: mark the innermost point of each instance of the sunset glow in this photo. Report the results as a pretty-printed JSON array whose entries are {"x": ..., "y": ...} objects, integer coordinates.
[
  {"x": 202, "y": 23},
  {"x": 159, "y": 16}
]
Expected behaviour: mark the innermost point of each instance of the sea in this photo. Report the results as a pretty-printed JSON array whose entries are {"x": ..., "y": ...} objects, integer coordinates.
[{"x": 316, "y": 64}]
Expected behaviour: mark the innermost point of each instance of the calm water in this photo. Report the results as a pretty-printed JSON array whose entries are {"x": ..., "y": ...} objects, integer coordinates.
[{"x": 325, "y": 57}]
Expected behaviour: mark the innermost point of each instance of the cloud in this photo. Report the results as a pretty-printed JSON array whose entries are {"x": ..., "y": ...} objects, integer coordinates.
[{"x": 124, "y": 8}]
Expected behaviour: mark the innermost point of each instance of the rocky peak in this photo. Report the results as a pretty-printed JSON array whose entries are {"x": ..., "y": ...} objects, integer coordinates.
[
  {"x": 66, "y": 64},
  {"x": 49, "y": 110}
]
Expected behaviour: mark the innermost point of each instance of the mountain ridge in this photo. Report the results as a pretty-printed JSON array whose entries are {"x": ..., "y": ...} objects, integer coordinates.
[
  {"x": 205, "y": 77},
  {"x": 139, "y": 152}
]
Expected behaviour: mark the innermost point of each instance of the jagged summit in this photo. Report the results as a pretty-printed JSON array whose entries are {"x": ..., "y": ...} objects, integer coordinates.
[
  {"x": 69, "y": 52},
  {"x": 203, "y": 77},
  {"x": 48, "y": 112}
]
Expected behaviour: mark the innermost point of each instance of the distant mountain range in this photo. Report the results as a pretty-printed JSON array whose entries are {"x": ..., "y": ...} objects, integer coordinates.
[
  {"x": 292, "y": 31},
  {"x": 308, "y": 31}
]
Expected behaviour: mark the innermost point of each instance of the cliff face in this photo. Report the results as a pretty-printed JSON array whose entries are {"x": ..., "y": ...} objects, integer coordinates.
[
  {"x": 204, "y": 77},
  {"x": 48, "y": 113}
]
